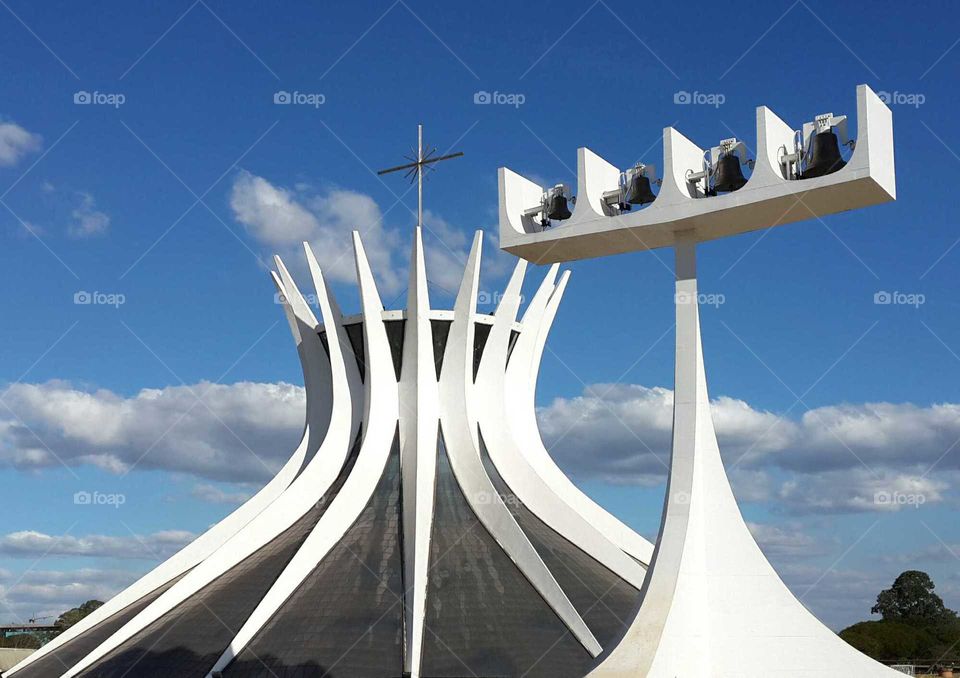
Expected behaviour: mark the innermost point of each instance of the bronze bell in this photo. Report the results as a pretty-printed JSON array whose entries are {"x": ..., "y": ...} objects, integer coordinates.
[
  {"x": 824, "y": 156},
  {"x": 557, "y": 207},
  {"x": 638, "y": 190},
  {"x": 729, "y": 176}
]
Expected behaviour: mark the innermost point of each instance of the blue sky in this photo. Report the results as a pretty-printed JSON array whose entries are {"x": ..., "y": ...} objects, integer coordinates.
[{"x": 164, "y": 197}]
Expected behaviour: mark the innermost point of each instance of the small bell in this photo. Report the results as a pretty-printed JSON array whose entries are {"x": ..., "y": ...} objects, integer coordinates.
[
  {"x": 729, "y": 176},
  {"x": 824, "y": 156},
  {"x": 556, "y": 208},
  {"x": 638, "y": 190}
]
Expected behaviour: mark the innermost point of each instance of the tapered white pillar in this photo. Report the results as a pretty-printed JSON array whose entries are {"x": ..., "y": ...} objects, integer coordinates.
[
  {"x": 712, "y": 605},
  {"x": 419, "y": 428}
]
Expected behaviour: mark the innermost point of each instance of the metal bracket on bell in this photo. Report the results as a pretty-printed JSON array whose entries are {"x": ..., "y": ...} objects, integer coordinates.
[
  {"x": 721, "y": 168},
  {"x": 730, "y": 147},
  {"x": 633, "y": 188},
  {"x": 791, "y": 161},
  {"x": 553, "y": 205},
  {"x": 826, "y": 122},
  {"x": 820, "y": 151}
]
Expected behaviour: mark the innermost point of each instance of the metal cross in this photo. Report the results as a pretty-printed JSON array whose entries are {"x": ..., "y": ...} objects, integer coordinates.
[{"x": 416, "y": 167}]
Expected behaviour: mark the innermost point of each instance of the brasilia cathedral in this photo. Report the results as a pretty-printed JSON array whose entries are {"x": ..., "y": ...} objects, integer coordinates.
[{"x": 421, "y": 527}]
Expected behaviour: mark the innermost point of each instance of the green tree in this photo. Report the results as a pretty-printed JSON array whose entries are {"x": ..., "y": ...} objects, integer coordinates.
[
  {"x": 72, "y": 616},
  {"x": 911, "y": 599},
  {"x": 915, "y": 625}
]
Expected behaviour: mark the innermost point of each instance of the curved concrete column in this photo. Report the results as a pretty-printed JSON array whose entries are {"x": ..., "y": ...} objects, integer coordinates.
[
  {"x": 318, "y": 475},
  {"x": 352, "y": 371},
  {"x": 513, "y": 466},
  {"x": 317, "y": 384},
  {"x": 380, "y": 429},
  {"x": 520, "y": 407},
  {"x": 324, "y": 503},
  {"x": 459, "y": 427}
]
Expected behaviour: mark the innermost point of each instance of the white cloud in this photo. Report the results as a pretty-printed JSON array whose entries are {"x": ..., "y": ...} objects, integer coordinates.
[
  {"x": 215, "y": 495},
  {"x": 936, "y": 552},
  {"x": 637, "y": 422},
  {"x": 846, "y": 458},
  {"x": 32, "y": 544},
  {"x": 616, "y": 433},
  {"x": 49, "y": 593},
  {"x": 281, "y": 218},
  {"x": 861, "y": 489},
  {"x": 238, "y": 432},
  {"x": 272, "y": 215},
  {"x": 446, "y": 249},
  {"x": 786, "y": 542},
  {"x": 87, "y": 221},
  {"x": 836, "y": 436},
  {"x": 622, "y": 432},
  {"x": 16, "y": 142}
]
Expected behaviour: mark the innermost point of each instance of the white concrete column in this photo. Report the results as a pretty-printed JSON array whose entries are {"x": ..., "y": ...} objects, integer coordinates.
[
  {"x": 419, "y": 431},
  {"x": 712, "y": 605}
]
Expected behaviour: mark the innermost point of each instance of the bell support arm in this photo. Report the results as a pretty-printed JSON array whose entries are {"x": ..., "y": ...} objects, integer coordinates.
[{"x": 768, "y": 199}]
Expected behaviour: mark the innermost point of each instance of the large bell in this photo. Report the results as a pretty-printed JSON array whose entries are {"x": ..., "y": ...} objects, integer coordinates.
[
  {"x": 824, "y": 156},
  {"x": 638, "y": 190},
  {"x": 557, "y": 207},
  {"x": 729, "y": 176}
]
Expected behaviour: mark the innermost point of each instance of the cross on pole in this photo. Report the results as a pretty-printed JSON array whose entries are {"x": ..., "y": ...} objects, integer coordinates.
[{"x": 416, "y": 167}]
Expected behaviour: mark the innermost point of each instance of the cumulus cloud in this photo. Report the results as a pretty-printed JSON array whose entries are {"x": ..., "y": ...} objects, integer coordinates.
[
  {"x": 48, "y": 593},
  {"x": 88, "y": 221},
  {"x": 837, "y": 459},
  {"x": 238, "y": 432},
  {"x": 861, "y": 489},
  {"x": 281, "y": 218},
  {"x": 242, "y": 433},
  {"x": 878, "y": 433},
  {"x": 621, "y": 432},
  {"x": 32, "y": 544},
  {"x": 936, "y": 552},
  {"x": 800, "y": 467},
  {"x": 215, "y": 495},
  {"x": 786, "y": 541},
  {"x": 445, "y": 252},
  {"x": 16, "y": 142}
]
